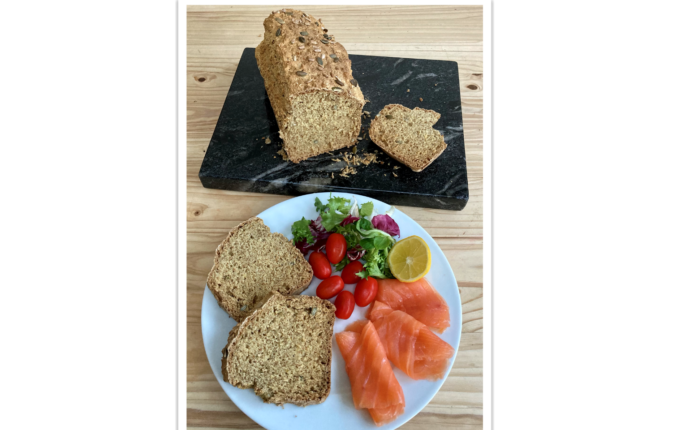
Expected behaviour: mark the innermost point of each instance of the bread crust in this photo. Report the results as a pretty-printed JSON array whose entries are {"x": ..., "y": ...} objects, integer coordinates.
[
  {"x": 236, "y": 332},
  {"x": 230, "y": 304},
  {"x": 374, "y": 134},
  {"x": 279, "y": 59}
]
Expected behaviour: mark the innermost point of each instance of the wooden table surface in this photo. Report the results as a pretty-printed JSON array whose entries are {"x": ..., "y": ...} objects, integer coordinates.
[{"x": 216, "y": 36}]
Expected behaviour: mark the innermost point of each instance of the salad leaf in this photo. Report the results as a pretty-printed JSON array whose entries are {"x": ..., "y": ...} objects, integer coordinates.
[
  {"x": 364, "y": 224},
  {"x": 387, "y": 224},
  {"x": 344, "y": 262},
  {"x": 366, "y": 230},
  {"x": 381, "y": 242},
  {"x": 349, "y": 220},
  {"x": 318, "y": 235},
  {"x": 350, "y": 233},
  {"x": 340, "y": 203},
  {"x": 366, "y": 209},
  {"x": 374, "y": 261},
  {"x": 367, "y": 244},
  {"x": 320, "y": 207},
  {"x": 317, "y": 229},
  {"x": 333, "y": 212},
  {"x": 356, "y": 253},
  {"x": 301, "y": 231},
  {"x": 376, "y": 256}
]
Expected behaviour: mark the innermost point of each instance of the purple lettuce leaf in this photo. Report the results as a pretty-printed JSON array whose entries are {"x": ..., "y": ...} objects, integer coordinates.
[
  {"x": 356, "y": 253},
  {"x": 320, "y": 236},
  {"x": 349, "y": 220},
  {"x": 386, "y": 224}
]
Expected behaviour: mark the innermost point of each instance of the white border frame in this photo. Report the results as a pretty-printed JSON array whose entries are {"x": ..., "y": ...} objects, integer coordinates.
[{"x": 182, "y": 200}]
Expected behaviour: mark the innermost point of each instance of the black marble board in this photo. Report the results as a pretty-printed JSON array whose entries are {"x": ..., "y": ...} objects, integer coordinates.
[{"x": 238, "y": 158}]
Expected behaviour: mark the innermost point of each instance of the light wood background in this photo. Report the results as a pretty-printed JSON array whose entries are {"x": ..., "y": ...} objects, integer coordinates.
[{"x": 216, "y": 37}]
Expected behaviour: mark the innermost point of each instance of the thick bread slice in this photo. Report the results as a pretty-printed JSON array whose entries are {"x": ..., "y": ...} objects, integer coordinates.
[
  {"x": 407, "y": 135},
  {"x": 283, "y": 350},
  {"x": 250, "y": 263}
]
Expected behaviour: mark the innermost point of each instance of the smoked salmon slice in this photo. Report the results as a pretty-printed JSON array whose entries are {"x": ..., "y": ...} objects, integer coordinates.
[
  {"x": 418, "y": 299},
  {"x": 374, "y": 385},
  {"x": 409, "y": 344}
]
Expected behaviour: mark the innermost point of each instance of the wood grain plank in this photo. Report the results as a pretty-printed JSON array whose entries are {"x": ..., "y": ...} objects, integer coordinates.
[{"x": 216, "y": 37}]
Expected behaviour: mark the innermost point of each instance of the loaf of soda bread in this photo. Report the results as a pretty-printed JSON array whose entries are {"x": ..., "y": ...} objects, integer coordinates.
[{"x": 308, "y": 77}]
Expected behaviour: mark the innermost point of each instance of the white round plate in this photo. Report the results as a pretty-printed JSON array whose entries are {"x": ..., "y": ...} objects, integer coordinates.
[{"x": 338, "y": 411}]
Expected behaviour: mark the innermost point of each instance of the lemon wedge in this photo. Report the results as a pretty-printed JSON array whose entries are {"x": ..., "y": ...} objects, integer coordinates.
[{"x": 410, "y": 259}]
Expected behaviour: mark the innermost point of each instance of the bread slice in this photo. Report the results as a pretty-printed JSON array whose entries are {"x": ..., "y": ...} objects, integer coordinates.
[
  {"x": 407, "y": 135},
  {"x": 250, "y": 263},
  {"x": 283, "y": 350}
]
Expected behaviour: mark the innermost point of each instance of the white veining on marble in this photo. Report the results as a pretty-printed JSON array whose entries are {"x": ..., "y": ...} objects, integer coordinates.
[
  {"x": 449, "y": 183},
  {"x": 278, "y": 168},
  {"x": 399, "y": 80},
  {"x": 425, "y": 75}
]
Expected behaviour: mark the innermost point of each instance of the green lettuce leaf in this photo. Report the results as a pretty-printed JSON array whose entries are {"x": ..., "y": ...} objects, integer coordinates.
[
  {"x": 300, "y": 230},
  {"x": 366, "y": 209},
  {"x": 320, "y": 207},
  {"x": 338, "y": 209},
  {"x": 344, "y": 262}
]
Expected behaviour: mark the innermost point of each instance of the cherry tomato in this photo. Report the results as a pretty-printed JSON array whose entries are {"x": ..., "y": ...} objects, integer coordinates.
[
  {"x": 320, "y": 265},
  {"x": 330, "y": 287},
  {"x": 344, "y": 305},
  {"x": 350, "y": 271},
  {"x": 365, "y": 291},
  {"x": 336, "y": 247}
]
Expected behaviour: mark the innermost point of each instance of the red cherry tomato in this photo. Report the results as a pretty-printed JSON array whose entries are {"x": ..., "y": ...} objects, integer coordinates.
[
  {"x": 344, "y": 305},
  {"x": 330, "y": 287},
  {"x": 320, "y": 265},
  {"x": 336, "y": 247},
  {"x": 365, "y": 291},
  {"x": 350, "y": 271}
]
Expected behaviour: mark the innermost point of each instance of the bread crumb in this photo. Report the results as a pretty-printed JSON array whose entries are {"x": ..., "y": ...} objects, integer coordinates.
[
  {"x": 408, "y": 90},
  {"x": 353, "y": 160},
  {"x": 347, "y": 171},
  {"x": 394, "y": 174},
  {"x": 268, "y": 141},
  {"x": 421, "y": 99},
  {"x": 283, "y": 154},
  {"x": 396, "y": 167},
  {"x": 435, "y": 85}
]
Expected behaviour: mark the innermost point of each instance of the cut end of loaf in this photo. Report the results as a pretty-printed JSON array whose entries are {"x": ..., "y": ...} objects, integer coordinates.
[
  {"x": 321, "y": 121},
  {"x": 309, "y": 82},
  {"x": 408, "y": 136},
  {"x": 283, "y": 350}
]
